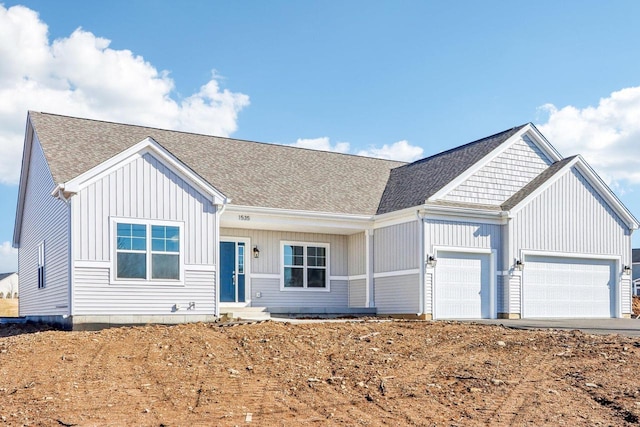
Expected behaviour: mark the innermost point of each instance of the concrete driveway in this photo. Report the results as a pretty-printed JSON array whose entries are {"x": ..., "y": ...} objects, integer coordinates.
[{"x": 627, "y": 327}]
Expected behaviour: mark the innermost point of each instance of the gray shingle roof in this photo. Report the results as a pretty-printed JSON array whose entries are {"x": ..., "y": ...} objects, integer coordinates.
[
  {"x": 535, "y": 183},
  {"x": 635, "y": 255},
  {"x": 412, "y": 184},
  {"x": 249, "y": 173}
]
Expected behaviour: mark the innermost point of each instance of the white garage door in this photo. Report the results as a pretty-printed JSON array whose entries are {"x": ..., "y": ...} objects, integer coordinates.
[
  {"x": 462, "y": 283},
  {"x": 568, "y": 287}
]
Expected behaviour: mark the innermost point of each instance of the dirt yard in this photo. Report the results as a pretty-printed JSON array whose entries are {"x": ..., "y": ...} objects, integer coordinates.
[
  {"x": 636, "y": 306},
  {"x": 356, "y": 373}
]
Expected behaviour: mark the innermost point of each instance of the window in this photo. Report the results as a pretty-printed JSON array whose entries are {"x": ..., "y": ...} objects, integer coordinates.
[
  {"x": 146, "y": 251},
  {"x": 305, "y": 266},
  {"x": 41, "y": 282}
]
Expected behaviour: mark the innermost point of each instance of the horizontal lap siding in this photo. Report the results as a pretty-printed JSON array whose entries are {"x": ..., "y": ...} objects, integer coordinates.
[
  {"x": 45, "y": 218},
  {"x": 143, "y": 189},
  {"x": 397, "y": 294},
  {"x": 268, "y": 243},
  {"x": 358, "y": 293},
  {"x": 503, "y": 176},
  {"x": 397, "y": 247},
  {"x": 272, "y": 296},
  {"x": 94, "y": 295}
]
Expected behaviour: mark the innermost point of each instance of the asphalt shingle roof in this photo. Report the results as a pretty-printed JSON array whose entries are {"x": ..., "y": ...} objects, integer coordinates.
[
  {"x": 635, "y": 255},
  {"x": 5, "y": 275},
  {"x": 412, "y": 184},
  {"x": 249, "y": 173}
]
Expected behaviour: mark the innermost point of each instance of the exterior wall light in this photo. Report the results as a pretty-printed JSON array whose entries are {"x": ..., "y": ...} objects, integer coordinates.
[
  {"x": 626, "y": 270},
  {"x": 519, "y": 265},
  {"x": 256, "y": 252},
  {"x": 431, "y": 261}
]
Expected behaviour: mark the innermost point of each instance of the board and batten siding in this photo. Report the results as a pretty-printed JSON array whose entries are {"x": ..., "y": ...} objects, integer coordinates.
[
  {"x": 268, "y": 242},
  {"x": 570, "y": 217},
  {"x": 397, "y": 294},
  {"x": 142, "y": 189},
  {"x": 397, "y": 247},
  {"x": 45, "y": 218},
  {"x": 146, "y": 189},
  {"x": 503, "y": 176},
  {"x": 357, "y": 248}
]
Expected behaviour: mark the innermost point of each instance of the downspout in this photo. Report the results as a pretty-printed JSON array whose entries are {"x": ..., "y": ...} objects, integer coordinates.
[{"x": 420, "y": 216}]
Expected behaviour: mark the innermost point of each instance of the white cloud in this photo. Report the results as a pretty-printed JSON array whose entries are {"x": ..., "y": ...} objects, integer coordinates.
[
  {"x": 400, "y": 150},
  {"x": 607, "y": 136},
  {"x": 8, "y": 258},
  {"x": 80, "y": 75},
  {"x": 323, "y": 144}
]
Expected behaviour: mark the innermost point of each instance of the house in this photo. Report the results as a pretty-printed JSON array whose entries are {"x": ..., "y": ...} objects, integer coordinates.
[
  {"x": 128, "y": 224},
  {"x": 635, "y": 266},
  {"x": 8, "y": 285}
]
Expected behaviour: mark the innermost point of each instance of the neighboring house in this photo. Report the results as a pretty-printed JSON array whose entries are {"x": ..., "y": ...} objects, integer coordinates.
[
  {"x": 8, "y": 285},
  {"x": 128, "y": 224},
  {"x": 636, "y": 271}
]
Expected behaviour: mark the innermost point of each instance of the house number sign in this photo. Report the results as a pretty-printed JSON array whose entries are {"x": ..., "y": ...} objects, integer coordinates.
[{"x": 244, "y": 218}]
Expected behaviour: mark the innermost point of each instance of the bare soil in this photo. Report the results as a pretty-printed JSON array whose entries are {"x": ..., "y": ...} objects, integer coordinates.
[
  {"x": 8, "y": 307},
  {"x": 354, "y": 373},
  {"x": 636, "y": 306}
]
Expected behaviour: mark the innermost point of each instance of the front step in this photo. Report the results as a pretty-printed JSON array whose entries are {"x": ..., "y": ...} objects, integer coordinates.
[{"x": 244, "y": 313}]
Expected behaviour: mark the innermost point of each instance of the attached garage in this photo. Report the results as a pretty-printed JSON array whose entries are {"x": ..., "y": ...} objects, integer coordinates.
[
  {"x": 463, "y": 286},
  {"x": 554, "y": 286}
]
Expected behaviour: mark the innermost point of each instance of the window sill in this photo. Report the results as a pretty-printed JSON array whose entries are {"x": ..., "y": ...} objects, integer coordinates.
[
  {"x": 148, "y": 283},
  {"x": 289, "y": 289}
]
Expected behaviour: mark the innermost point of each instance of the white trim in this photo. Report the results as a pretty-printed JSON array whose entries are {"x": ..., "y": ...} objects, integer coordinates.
[
  {"x": 493, "y": 267},
  {"x": 327, "y": 266},
  {"x": 339, "y": 278},
  {"x": 528, "y": 130},
  {"x": 91, "y": 264},
  {"x": 369, "y": 288},
  {"x": 149, "y": 281},
  {"x": 395, "y": 218},
  {"x": 199, "y": 267},
  {"x": 358, "y": 277},
  {"x": 147, "y": 145},
  {"x": 265, "y": 276},
  {"x": 259, "y": 218},
  {"x": 248, "y": 256},
  {"x": 397, "y": 273},
  {"x": 617, "y": 298},
  {"x": 442, "y": 213}
]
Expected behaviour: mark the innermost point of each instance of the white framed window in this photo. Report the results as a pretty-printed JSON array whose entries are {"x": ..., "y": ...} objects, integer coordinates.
[
  {"x": 147, "y": 251},
  {"x": 305, "y": 266},
  {"x": 41, "y": 276}
]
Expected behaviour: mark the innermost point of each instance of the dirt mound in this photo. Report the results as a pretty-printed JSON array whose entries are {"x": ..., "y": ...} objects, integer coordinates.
[{"x": 366, "y": 373}]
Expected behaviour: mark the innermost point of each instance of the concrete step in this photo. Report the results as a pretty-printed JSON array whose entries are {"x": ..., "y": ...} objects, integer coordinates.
[{"x": 245, "y": 313}]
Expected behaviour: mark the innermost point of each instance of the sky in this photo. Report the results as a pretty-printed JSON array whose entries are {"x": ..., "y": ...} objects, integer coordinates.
[{"x": 401, "y": 80}]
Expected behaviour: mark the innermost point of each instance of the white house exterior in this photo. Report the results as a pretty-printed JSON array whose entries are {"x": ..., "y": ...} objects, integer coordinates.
[
  {"x": 126, "y": 224},
  {"x": 8, "y": 285}
]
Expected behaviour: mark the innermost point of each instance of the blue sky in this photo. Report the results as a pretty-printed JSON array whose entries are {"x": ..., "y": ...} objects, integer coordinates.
[{"x": 394, "y": 79}]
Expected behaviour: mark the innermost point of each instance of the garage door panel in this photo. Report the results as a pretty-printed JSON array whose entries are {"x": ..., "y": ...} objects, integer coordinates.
[
  {"x": 462, "y": 283},
  {"x": 567, "y": 287}
]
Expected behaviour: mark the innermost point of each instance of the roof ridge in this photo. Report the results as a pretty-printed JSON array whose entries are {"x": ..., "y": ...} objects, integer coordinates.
[
  {"x": 460, "y": 147},
  {"x": 275, "y": 144}
]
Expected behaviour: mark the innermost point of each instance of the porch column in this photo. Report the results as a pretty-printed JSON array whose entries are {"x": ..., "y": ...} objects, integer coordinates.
[{"x": 370, "y": 297}]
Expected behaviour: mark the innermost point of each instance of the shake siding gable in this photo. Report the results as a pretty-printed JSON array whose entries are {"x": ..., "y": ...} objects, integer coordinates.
[
  {"x": 503, "y": 176},
  {"x": 45, "y": 219}
]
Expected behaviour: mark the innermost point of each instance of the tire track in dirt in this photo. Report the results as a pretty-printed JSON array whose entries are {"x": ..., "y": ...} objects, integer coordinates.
[{"x": 514, "y": 405}]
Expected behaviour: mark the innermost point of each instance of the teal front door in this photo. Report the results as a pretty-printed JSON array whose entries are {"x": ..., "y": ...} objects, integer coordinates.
[{"x": 232, "y": 272}]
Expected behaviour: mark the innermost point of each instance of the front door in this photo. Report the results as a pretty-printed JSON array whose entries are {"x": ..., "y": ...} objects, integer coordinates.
[{"x": 232, "y": 271}]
